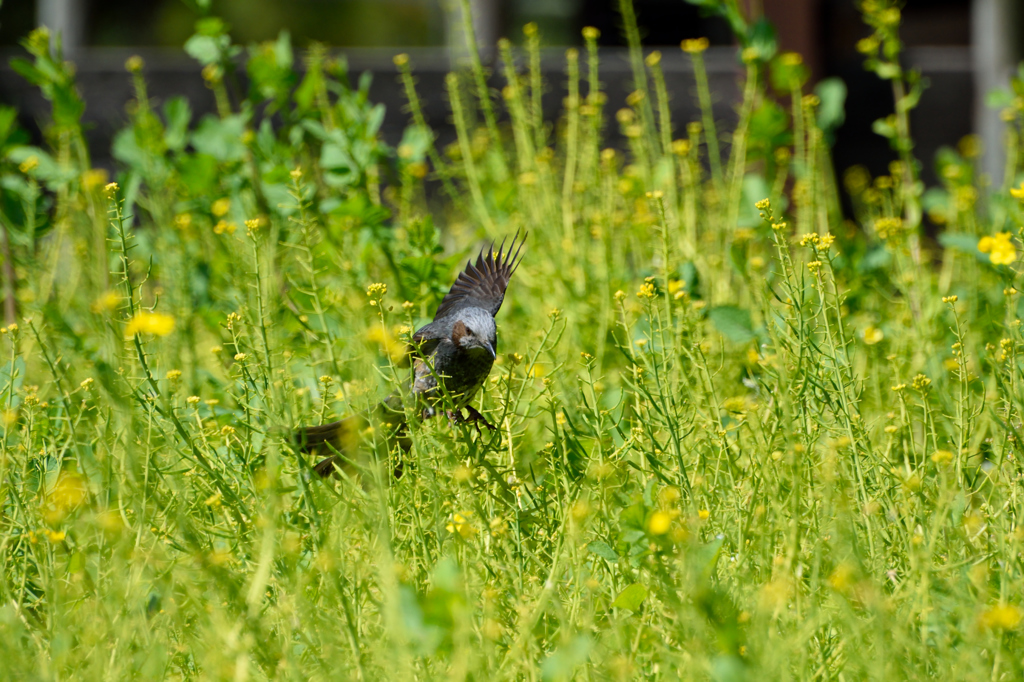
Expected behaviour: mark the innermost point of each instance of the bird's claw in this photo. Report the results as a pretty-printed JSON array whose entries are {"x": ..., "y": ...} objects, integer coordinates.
[{"x": 455, "y": 417}]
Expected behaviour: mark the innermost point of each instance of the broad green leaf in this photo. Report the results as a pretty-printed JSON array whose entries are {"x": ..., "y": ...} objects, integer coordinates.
[
  {"x": 603, "y": 550},
  {"x": 962, "y": 242},
  {"x": 732, "y": 322},
  {"x": 832, "y": 110},
  {"x": 631, "y": 598}
]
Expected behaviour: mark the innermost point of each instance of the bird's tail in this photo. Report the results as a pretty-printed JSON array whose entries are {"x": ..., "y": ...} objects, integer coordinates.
[
  {"x": 339, "y": 438},
  {"x": 339, "y": 441}
]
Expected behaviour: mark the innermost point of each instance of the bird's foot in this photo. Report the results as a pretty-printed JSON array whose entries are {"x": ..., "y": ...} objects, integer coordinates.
[
  {"x": 476, "y": 418},
  {"x": 455, "y": 417}
]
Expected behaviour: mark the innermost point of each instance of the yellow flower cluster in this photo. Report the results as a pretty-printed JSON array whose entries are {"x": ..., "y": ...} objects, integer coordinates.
[
  {"x": 873, "y": 335},
  {"x": 149, "y": 323},
  {"x": 999, "y": 248},
  {"x": 695, "y": 45},
  {"x": 888, "y": 227},
  {"x": 646, "y": 290},
  {"x": 462, "y": 525},
  {"x": 1001, "y": 617}
]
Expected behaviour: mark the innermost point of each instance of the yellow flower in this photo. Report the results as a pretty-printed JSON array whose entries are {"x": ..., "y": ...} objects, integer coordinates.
[
  {"x": 68, "y": 494},
  {"x": 387, "y": 341},
  {"x": 223, "y": 226},
  {"x": 1001, "y": 617},
  {"x": 149, "y": 323},
  {"x": 54, "y": 536},
  {"x": 843, "y": 576},
  {"x": 695, "y": 45},
  {"x": 704, "y": 514},
  {"x": 93, "y": 178},
  {"x": 591, "y": 33},
  {"x": 646, "y": 290},
  {"x": 970, "y": 146},
  {"x": 107, "y": 301},
  {"x": 660, "y": 523},
  {"x": 1017, "y": 192},
  {"x": 867, "y": 45},
  {"x": 212, "y": 73},
  {"x": 461, "y": 524},
  {"x": 221, "y": 207},
  {"x": 873, "y": 335},
  {"x": 887, "y": 227},
  {"x": 1000, "y": 248},
  {"x": 32, "y": 162}
]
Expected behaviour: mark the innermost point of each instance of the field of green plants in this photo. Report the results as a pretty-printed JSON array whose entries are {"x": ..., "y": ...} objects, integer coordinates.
[{"x": 742, "y": 435}]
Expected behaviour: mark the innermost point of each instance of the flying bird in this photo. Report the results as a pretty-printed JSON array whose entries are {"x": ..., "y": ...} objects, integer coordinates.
[{"x": 453, "y": 355}]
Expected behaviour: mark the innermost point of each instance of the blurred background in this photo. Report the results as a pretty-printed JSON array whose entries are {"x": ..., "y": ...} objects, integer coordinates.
[{"x": 964, "y": 48}]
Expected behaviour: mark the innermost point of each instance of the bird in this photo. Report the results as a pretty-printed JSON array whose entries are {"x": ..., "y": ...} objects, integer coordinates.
[{"x": 452, "y": 356}]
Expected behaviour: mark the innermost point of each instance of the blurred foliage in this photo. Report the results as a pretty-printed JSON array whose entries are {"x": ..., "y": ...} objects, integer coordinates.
[{"x": 740, "y": 435}]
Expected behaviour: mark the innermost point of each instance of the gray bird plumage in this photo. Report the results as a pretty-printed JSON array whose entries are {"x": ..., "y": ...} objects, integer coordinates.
[{"x": 453, "y": 356}]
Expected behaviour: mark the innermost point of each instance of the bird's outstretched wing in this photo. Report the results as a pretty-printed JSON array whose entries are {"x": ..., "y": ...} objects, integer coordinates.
[{"x": 482, "y": 284}]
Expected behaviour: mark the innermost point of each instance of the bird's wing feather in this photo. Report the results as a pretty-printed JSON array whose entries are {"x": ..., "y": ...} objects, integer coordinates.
[
  {"x": 482, "y": 284},
  {"x": 426, "y": 338}
]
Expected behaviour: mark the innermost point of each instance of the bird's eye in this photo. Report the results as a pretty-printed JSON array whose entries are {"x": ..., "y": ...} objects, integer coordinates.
[{"x": 470, "y": 331}]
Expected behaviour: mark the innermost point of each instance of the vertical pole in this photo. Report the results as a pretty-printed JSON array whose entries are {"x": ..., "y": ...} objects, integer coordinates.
[
  {"x": 993, "y": 53},
  {"x": 486, "y": 25},
  {"x": 65, "y": 18}
]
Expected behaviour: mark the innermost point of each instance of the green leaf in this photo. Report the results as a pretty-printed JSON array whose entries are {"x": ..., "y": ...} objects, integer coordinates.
[
  {"x": 631, "y": 598},
  {"x": 999, "y": 98},
  {"x": 754, "y": 188},
  {"x": 733, "y": 323},
  {"x": 203, "y": 49},
  {"x": 962, "y": 242},
  {"x": 885, "y": 127},
  {"x": 762, "y": 38},
  {"x": 831, "y": 111},
  {"x": 603, "y": 550},
  {"x": 221, "y": 138},
  {"x": 178, "y": 114}
]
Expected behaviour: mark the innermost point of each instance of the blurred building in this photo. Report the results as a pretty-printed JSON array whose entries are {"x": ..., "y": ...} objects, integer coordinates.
[{"x": 963, "y": 47}]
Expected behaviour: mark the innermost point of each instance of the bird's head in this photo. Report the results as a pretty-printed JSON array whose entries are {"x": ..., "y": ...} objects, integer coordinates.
[{"x": 474, "y": 332}]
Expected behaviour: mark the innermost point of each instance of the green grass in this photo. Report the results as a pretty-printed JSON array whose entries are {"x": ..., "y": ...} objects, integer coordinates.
[{"x": 735, "y": 441}]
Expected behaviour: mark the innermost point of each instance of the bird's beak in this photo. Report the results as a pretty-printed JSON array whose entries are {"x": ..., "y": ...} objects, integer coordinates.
[{"x": 491, "y": 348}]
